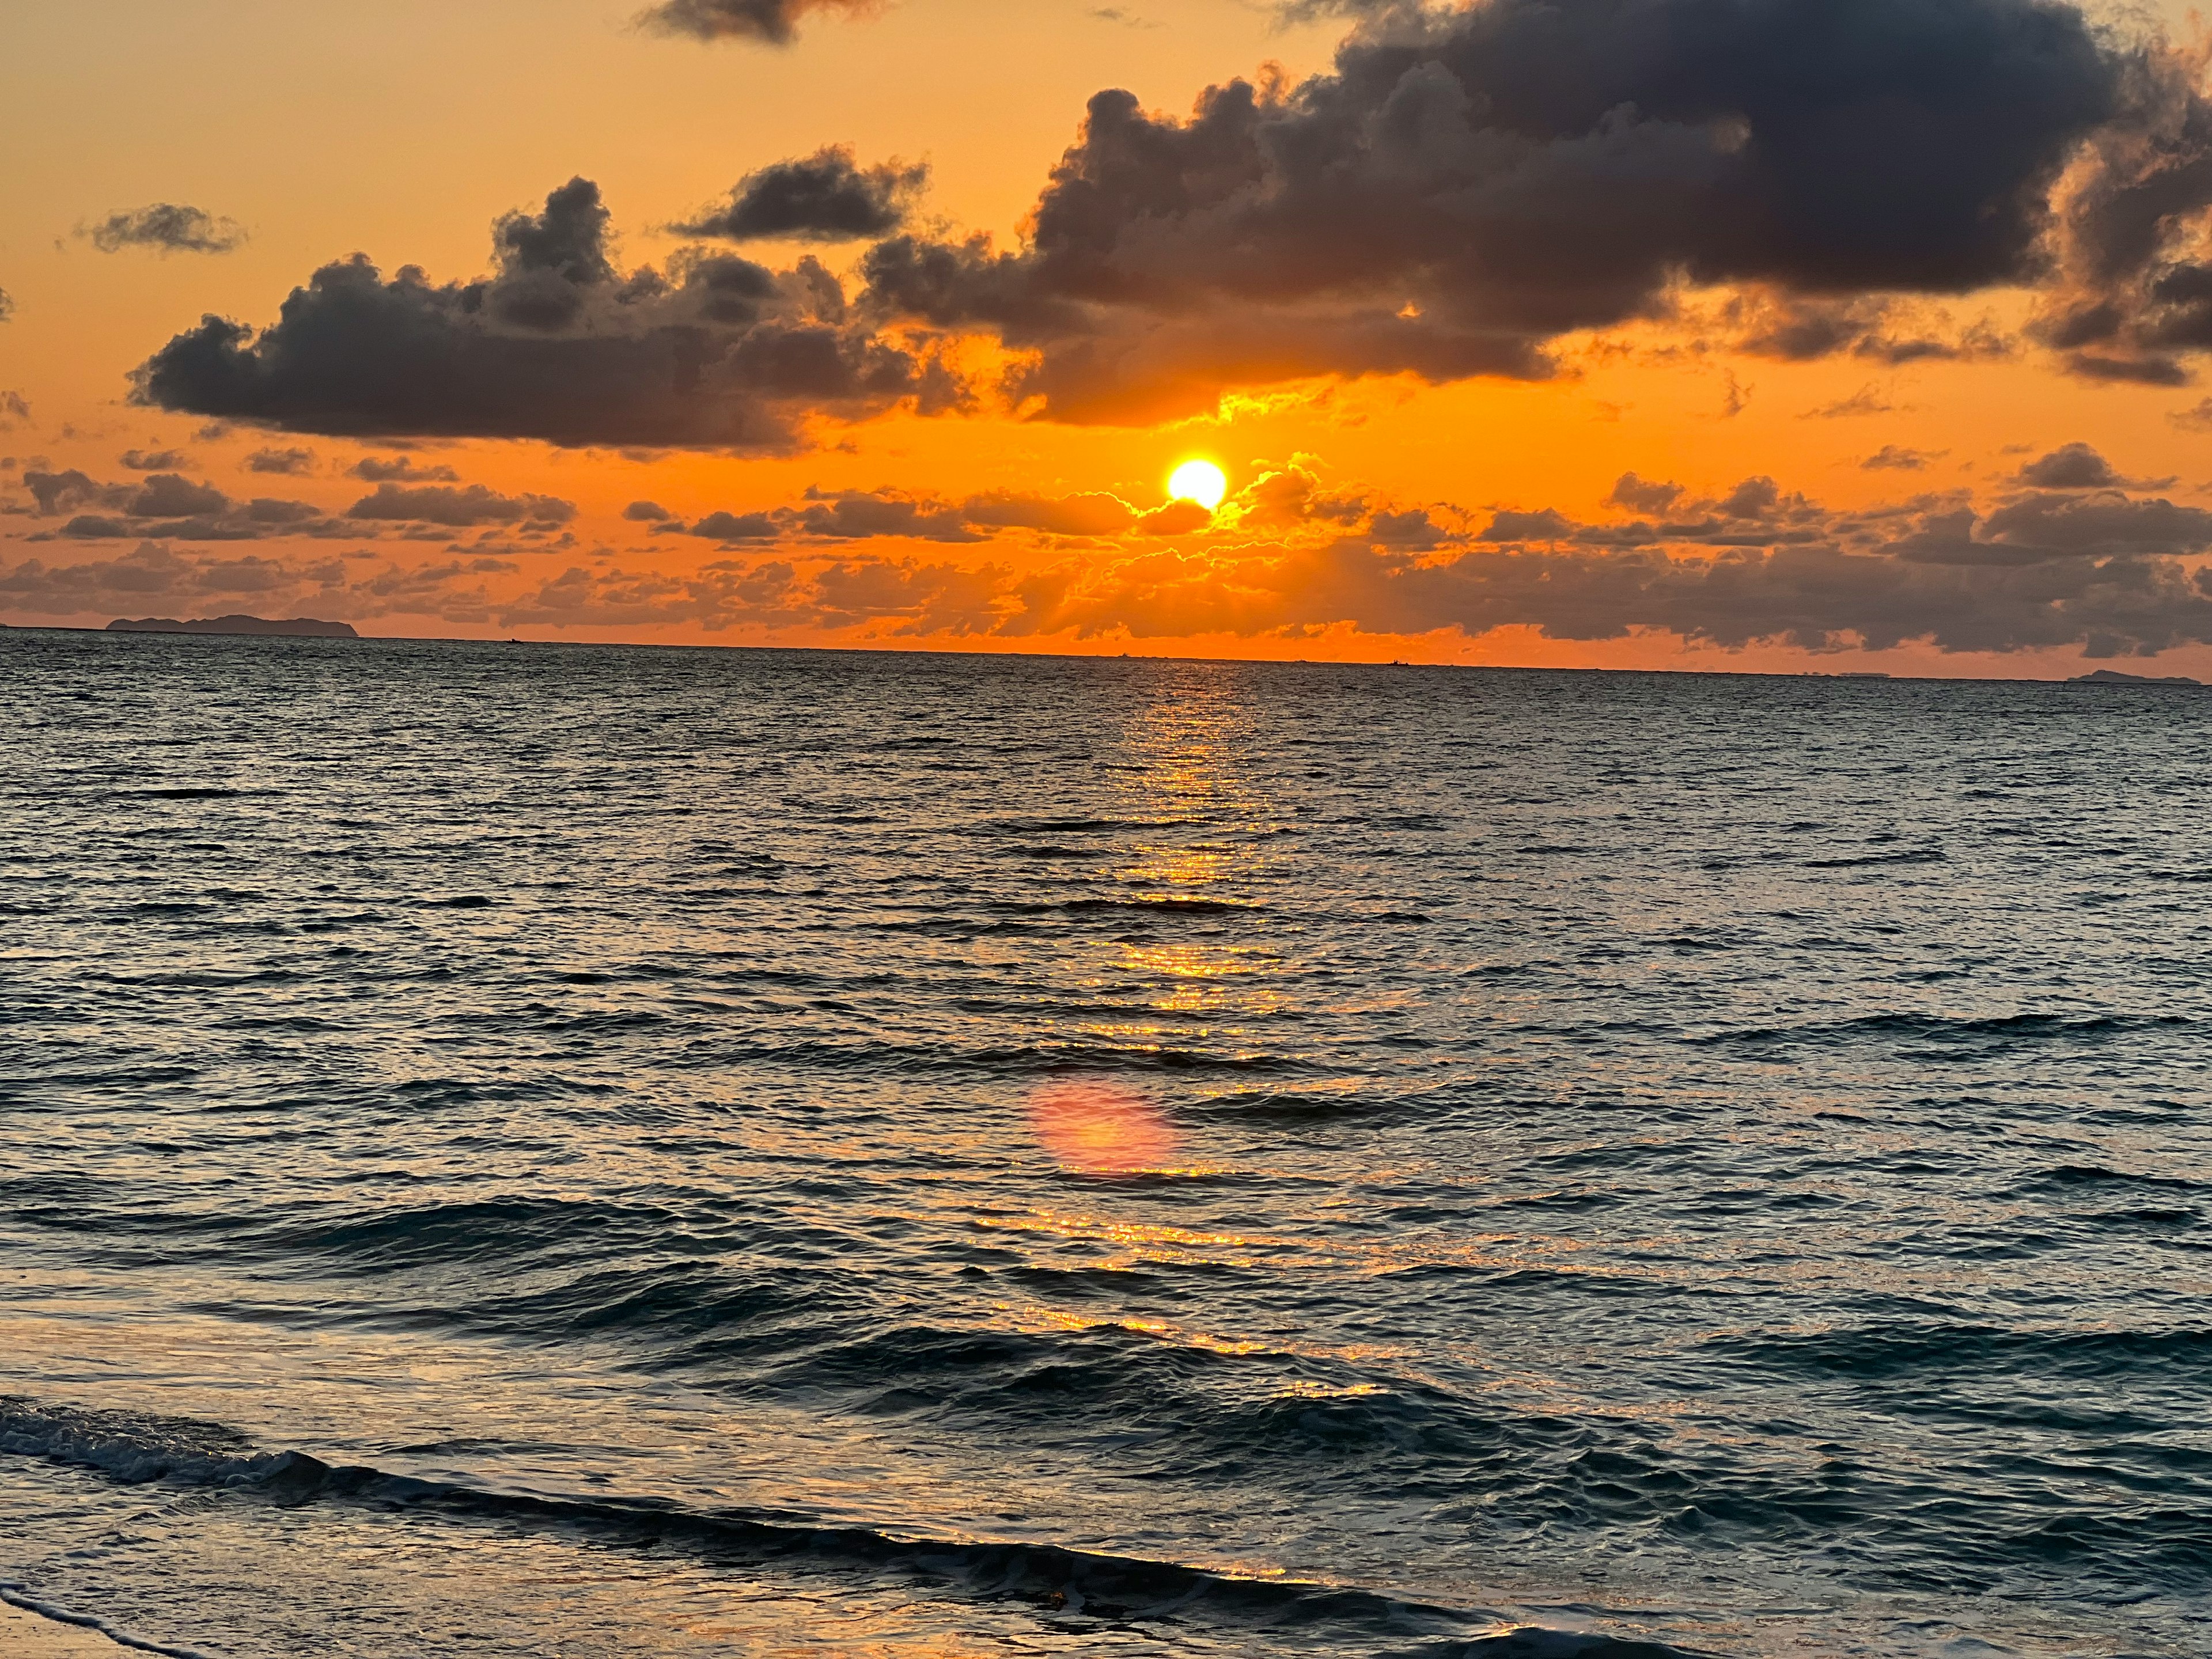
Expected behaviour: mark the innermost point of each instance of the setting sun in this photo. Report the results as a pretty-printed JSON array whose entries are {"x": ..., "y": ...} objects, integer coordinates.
[{"x": 1199, "y": 481}]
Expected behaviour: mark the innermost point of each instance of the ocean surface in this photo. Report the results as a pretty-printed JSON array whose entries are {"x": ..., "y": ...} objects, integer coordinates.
[{"x": 535, "y": 1150}]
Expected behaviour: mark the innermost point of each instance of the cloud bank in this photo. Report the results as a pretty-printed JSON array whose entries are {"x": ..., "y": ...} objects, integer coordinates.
[
  {"x": 2112, "y": 571},
  {"x": 712, "y": 352},
  {"x": 1461, "y": 190}
]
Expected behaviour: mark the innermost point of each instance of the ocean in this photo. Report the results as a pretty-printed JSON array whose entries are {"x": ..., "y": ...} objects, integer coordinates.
[{"x": 552, "y": 1150}]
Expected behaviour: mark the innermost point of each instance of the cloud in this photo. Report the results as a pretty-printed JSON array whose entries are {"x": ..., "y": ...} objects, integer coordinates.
[
  {"x": 150, "y": 572},
  {"x": 1466, "y": 185},
  {"x": 14, "y": 410},
  {"x": 714, "y": 352},
  {"x": 1895, "y": 457},
  {"x": 7, "y": 305},
  {"x": 1752, "y": 564},
  {"x": 845, "y": 515},
  {"x": 771, "y": 22},
  {"x": 171, "y": 495},
  {"x": 851, "y": 515},
  {"x": 60, "y": 492},
  {"x": 440, "y": 504},
  {"x": 399, "y": 469},
  {"x": 1640, "y": 496},
  {"x": 2109, "y": 571},
  {"x": 290, "y": 462},
  {"x": 824, "y": 197},
  {"x": 2070, "y": 466},
  {"x": 1868, "y": 400},
  {"x": 1091, "y": 514},
  {"x": 166, "y": 227},
  {"x": 647, "y": 513},
  {"x": 166, "y": 504},
  {"x": 155, "y": 460}
]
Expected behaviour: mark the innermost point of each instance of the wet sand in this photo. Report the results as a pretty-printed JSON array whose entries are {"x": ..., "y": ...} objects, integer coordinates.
[{"x": 27, "y": 1636}]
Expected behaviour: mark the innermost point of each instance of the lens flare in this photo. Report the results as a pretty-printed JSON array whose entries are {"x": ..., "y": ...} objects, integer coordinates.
[
  {"x": 1097, "y": 1127},
  {"x": 1199, "y": 481}
]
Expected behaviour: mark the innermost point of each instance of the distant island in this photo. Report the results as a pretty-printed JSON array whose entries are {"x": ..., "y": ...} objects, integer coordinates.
[
  {"x": 297, "y": 627},
  {"x": 2113, "y": 677}
]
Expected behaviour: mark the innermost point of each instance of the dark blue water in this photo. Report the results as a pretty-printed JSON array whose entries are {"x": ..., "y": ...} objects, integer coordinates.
[{"x": 551, "y": 1150}]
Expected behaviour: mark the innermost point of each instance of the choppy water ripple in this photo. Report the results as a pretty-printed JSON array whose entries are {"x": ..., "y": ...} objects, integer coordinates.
[{"x": 1712, "y": 1161}]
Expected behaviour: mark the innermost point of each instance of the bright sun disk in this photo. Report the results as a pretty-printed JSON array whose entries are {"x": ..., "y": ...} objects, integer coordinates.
[{"x": 1199, "y": 481}]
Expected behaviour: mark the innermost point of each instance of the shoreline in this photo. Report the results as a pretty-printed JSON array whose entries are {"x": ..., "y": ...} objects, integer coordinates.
[{"x": 27, "y": 1635}]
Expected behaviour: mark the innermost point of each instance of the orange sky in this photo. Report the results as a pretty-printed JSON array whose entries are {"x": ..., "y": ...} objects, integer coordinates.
[{"x": 1364, "y": 519}]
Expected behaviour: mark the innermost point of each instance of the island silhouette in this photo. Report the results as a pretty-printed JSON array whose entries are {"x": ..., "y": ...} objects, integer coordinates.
[{"x": 299, "y": 626}]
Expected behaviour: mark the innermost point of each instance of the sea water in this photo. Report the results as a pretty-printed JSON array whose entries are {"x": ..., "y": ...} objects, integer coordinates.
[{"x": 539, "y": 1150}]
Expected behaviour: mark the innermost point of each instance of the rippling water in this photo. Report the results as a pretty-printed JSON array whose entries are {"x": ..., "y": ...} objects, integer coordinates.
[{"x": 544, "y": 1150}]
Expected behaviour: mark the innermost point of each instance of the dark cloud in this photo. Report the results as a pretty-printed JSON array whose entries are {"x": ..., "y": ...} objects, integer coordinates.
[
  {"x": 1464, "y": 186},
  {"x": 714, "y": 352},
  {"x": 1866, "y": 400},
  {"x": 771, "y": 22},
  {"x": 166, "y": 504},
  {"x": 1642, "y": 495},
  {"x": 824, "y": 197},
  {"x": 2070, "y": 466},
  {"x": 1896, "y": 458},
  {"x": 647, "y": 513},
  {"x": 151, "y": 572},
  {"x": 867, "y": 514},
  {"x": 399, "y": 469},
  {"x": 166, "y": 227},
  {"x": 61, "y": 492},
  {"x": 1467, "y": 185},
  {"x": 172, "y": 495},
  {"x": 845, "y": 515},
  {"x": 7, "y": 305},
  {"x": 1093, "y": 515},
  {"x": 151, "y": 460},
  {"x": 291, "y": 463},
  {"x": 441, "y": 504},
  {"x": 14, "y": 410}
]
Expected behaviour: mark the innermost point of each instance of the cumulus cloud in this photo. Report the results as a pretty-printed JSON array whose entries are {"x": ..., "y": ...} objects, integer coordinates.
[
  {"x": 14, "y": 410},
  {"x": 714, "y": 351},
  {"x": 1896, "y": 458},
  {"x": 399, "y": 469},
  {"x": 1466, "y": 185},
  {"x": 822, "y": 198},
  {"x": 2070, "y": 466},
  {"x": 166, "y": 227},
  {"x": 440, "y": 504},
  {"x": 151, "y": 460},
  {"x": 165, "y": 504},
  {"x": 770, "y": 22},
  {"x": 292, "y": 462}
]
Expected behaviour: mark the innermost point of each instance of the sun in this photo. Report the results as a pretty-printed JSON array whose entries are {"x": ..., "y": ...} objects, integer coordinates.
[{"x": 1199, "y": 481}]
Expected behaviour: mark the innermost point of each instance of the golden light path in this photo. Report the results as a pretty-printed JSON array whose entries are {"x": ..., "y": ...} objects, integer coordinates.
[{"x": 1199, "y": 481}]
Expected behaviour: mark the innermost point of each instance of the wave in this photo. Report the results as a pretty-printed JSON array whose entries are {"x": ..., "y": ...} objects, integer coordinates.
[
  {"x": 15, "y": 1595},
  {"x": 139, "y": 1447},
  {"x": 2024, "y": 1027}
]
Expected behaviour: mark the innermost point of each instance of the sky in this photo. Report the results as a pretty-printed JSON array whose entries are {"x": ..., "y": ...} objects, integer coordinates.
[{"x": 1839, "y": 336}]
